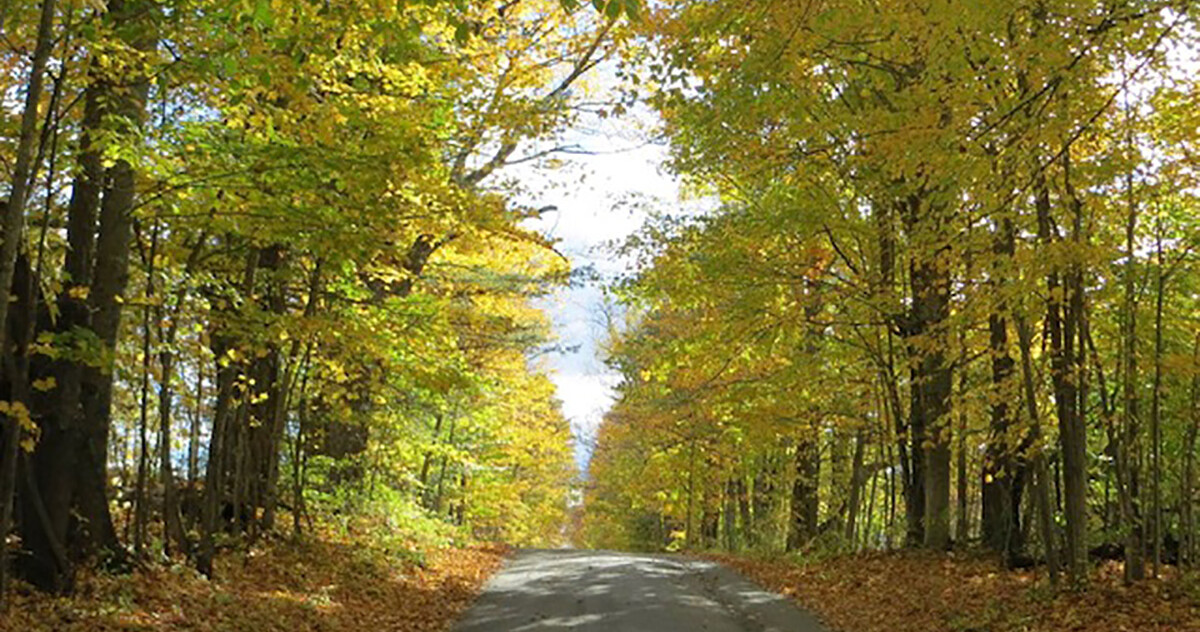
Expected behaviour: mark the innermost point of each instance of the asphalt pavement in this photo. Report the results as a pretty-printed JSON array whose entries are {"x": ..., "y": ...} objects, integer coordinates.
[{"x": 606, "y": 591}]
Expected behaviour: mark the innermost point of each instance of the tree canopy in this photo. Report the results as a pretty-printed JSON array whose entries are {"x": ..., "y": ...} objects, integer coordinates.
[
  {"x": 949, "y": 295},
  {"x": 259, "y": 259}
]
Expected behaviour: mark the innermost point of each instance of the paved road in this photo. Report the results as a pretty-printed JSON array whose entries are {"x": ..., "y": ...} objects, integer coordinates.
[{"x": 602, "y": 591}]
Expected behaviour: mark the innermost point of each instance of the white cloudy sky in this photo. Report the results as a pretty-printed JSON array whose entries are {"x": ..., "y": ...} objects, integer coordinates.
[{"x": 601, "y": 198}]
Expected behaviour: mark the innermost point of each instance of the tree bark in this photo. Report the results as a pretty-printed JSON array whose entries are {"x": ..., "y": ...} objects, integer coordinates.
[
  {"x": 292, "y": 362},
  {"x": 141, "y": 512},
  {"x": 1130, "y": 438},
  {"x": 220, "y": 446},
  {"x": 172, "y": 517},
  {"x": 1037, "y": 460},
  {"x": 193, "y": 461},
  {"x": 804, "y": 505},
  {"x": 929, "y": 278},
  {"x": 1068, "y": 375},
  {"x": 729, "y": 515},
  {"x": 856, "y": 484},
  {"x": 10, "y": 244},
  {"x": 762, "y": 502},
  {"x": 805, "y": 502},
  {"x": 742, "y": 494},
  {"x": 1156, "y": 406},
  {"x": 70, "y": 463},
  {"x": 1188, "y": 484},
  {"x": 1002, "y": 475}
]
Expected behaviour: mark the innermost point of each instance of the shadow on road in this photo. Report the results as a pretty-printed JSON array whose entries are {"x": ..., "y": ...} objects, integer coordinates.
[{"x": 602, "y": 590}]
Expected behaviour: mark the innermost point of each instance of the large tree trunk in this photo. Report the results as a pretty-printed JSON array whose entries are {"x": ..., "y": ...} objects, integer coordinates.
[
  {"x": 67, "y": 501},
  {"x": 1002, "y": 471},
  {"x": 929, "y": 277},
  {"x": 193, "y": 454},
  {"x": 263, "y": 433},
  {"x": 10, "y": 245},
  {"x": 804, "y": 506},
  {"x": 111, "y": 277},
  {"x": 962, "y": 526},
  {"x": 214, "y": 476},
  {"x": 1073, "y": 429},
  {"x": 1063, "y": 313},
  {"x": 710, "y": 518}
]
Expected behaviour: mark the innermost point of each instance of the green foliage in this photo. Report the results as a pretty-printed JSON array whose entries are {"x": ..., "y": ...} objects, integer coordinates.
[{"x": 901, "y": 188}]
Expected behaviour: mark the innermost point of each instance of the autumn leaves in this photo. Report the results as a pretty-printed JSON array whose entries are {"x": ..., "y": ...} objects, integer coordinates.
[{"x": 935, "y": 256}]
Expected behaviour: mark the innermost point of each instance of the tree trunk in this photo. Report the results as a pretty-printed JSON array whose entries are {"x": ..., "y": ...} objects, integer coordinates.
[
  {"x": 926, "y": 334},
  {"x": 300, "y": 453},
  {"x": 10, "y": 245},
  {"x": 70, "y": 462},
  {"x": 1115, "y": 449},
  {"x": 193, "y": 454},
  {"x": 856, "y": 484},
  {"x": 804, "y": 505},
  {"x": 871, "y": 497},
  {"x": 284, "y": 391},
  {"x": 1156, "y": 406},
  {"x": 214, "y": 476},
  {"x": 221, "y": 444},
  {"x": 743, "y": 505},
  {"x": 423, "y": 477},
  {"x": 172, "y": 517},
  {"x": 436, "y": 504},
  {"x": 910, "y": 430},
  {"x": 1002, "y": 475},
  {"x": 962, "y": 526},
  {"x": 141, "y": 512},
  {"x": 1187, "y": 501},
  {"x": 729, "y": 515},
  {"x": 1130, "y": 442},
  {"x": 689, "y": 525},
  {"x": 765, "y": 503},
  {"x": 1067, "y": 375},
  {"x": 1038, "y": 461}
]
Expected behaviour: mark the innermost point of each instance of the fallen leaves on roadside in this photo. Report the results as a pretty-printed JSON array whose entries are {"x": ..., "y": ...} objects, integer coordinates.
[
  {"x": 318, "y": 585},
  {"x": 926, "y": 592}
]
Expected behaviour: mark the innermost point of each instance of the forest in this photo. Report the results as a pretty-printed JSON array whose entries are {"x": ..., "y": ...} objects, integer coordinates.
[
  {"x": 262, "y": 275},
  {"x": 949, "y": 296},
  {"x": 274, "y": 318}
]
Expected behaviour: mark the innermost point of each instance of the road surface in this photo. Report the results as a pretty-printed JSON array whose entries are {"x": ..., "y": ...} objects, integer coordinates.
[{"x": 603, "y": 591}]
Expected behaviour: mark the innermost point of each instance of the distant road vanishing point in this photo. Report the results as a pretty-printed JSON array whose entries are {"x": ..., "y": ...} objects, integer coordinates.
[{"x": 605, "y": 591}]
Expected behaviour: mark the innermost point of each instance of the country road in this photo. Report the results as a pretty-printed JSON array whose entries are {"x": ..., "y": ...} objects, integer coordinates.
[{"x": 604, "y": 591}]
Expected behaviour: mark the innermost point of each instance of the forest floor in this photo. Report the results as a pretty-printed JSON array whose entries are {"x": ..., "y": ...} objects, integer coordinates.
[
  {"x": 316, "y": 585},
  {"x": 925, "y": 592}
]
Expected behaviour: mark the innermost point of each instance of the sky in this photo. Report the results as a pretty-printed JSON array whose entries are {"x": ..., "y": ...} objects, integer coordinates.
[{"x": 601, "y": 199}]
